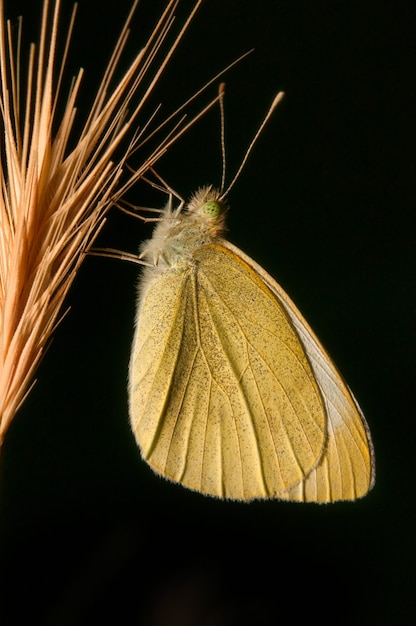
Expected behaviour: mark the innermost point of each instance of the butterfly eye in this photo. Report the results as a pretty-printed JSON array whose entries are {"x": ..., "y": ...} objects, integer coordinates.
[{"x": 211, "y": 209}]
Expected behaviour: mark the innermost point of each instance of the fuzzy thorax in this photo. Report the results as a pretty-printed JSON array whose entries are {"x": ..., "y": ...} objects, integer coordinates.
[{"x": 181, "y": 231}]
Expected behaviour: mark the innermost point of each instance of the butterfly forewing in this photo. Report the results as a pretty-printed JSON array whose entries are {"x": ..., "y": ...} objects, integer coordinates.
[{"x": 346, "y": 469}]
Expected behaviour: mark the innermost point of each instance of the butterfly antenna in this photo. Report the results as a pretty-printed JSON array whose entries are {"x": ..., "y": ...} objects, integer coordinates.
[
  {"x": 269, "y": 113},
  {"x": 222, "y": 117}
]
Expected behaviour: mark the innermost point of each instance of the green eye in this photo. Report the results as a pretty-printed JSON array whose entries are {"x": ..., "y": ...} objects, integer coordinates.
[{"x": 211, "y": 208}]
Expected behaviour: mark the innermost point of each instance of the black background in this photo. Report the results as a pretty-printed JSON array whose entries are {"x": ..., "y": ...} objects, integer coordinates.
[{"x": 325, "y": 204}]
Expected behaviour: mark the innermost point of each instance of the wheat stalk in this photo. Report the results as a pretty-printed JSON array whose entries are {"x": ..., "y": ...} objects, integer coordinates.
[{"x": 53, "y": 198}]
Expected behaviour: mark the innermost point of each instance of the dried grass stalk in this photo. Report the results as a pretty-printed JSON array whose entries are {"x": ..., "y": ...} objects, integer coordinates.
[{"x": 53, "y": 198}]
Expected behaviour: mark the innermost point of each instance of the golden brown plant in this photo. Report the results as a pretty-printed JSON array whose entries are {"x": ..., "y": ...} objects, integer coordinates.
[{"x": 53, "y": 196}]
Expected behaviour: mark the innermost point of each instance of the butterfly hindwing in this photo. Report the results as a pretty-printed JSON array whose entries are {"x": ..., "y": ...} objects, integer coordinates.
[{"x": 223, "y": 396}]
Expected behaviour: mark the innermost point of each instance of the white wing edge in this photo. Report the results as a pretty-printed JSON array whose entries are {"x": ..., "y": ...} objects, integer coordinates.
[{"x": 322, "y": 364}]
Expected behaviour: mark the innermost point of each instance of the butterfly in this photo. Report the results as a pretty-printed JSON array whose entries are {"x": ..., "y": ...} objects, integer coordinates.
[{"x": 230, "y": 392}]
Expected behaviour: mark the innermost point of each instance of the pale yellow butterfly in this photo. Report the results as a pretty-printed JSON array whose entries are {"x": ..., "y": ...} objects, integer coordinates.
[{"x": 231, "y": 393}]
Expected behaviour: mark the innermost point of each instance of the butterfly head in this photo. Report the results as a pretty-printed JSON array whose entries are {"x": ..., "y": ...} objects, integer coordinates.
[{"x": 208, "y": 206}]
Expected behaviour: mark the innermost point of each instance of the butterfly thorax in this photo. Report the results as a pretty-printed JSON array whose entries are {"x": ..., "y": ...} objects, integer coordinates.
[{"x": 180, "y": 232}]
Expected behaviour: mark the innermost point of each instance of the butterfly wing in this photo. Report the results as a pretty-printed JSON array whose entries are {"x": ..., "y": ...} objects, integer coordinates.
[
  {"x": 346, "y": 470},
  {"x": 223, "y": 397}
]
